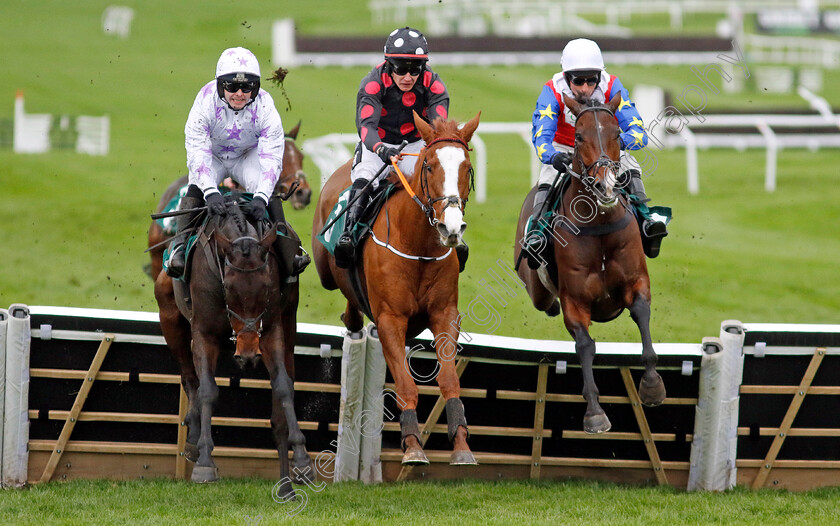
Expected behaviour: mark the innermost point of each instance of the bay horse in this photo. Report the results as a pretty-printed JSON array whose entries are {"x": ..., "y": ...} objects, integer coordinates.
[
  {"x": 597, "y": 267},
  {"x": 407, "y": 295},
  {"x": 291, "y": 184},
  {"x": 237, "y": 292}
]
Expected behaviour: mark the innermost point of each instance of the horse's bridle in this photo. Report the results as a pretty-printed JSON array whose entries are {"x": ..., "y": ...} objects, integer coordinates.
[
  {"x": 604, "y": 160},
  {"x": 451, "y": 200},
  {"x": 250, "y": 324}
]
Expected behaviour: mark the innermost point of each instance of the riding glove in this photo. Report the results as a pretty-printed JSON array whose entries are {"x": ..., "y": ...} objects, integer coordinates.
[
  {"x": 215, "y": 204},
  {"x": 257, "y": 209},
  {"x": 559, "y": 161},
  {"x": 385, "y": 153}
]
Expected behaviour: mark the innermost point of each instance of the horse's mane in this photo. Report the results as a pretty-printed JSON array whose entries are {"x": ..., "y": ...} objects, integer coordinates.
[{"x": 235, "y": 214}]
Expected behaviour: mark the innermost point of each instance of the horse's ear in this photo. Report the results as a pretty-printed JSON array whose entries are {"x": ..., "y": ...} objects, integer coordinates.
[
  {"x": 293, "y": 133},
  {"x": 615, "y": 102},
  {"x": 469, "y": 128},
  {"x": 221, "y": 241},
  {"x": 425, "y": 129},
  {"x": 268, "y": 238},
  {"x": 573, "y": 105}
]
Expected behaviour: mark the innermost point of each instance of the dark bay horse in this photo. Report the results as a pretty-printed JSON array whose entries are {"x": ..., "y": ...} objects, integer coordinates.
[
  {"x": 407, "y": 295},
  {"x": 597, "y": 266},
  {"x": 292, "y": 179},
  {"x": 237, "y": 292}
]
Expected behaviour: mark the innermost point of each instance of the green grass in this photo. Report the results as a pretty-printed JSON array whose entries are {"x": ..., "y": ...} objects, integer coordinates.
[
  {"x": 507, "y": 502},
  {"x": 75, "y": 225}
]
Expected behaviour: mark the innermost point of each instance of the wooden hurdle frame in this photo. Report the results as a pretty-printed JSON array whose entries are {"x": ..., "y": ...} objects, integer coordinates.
[{"x": 66, "y": 457}]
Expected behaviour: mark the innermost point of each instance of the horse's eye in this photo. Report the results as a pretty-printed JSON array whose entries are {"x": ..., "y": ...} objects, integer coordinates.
[{"x": 578, "y": 137}]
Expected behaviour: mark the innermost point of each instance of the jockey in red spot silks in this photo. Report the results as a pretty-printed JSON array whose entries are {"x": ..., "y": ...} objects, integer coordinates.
[
  {"x": 387, "y": 95},
  {"x": 234, "y": 130},
  {"x": 553, "y": 130}
]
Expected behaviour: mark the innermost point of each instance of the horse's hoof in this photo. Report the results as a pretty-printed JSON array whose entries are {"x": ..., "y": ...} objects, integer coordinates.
[
  {"x": 462, "y": 458},
  {"x": 415, "y": 457},
  {"x": 303, "y": 474},
  {"x": 191, "y": 452},
  {"x": 204, "y": 474},
  {"x": 654, "y": 394},
  {"x": 554, "y": 309},
  {"x": 594, "y": 424}
]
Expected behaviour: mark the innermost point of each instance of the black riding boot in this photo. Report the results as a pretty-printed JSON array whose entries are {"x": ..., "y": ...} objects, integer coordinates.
[
  {"x": 532, "y": 243},
  {"x": 344, "y": 248},
  {"x": 177, "y": 254},
  {"x": 287, "y": 245},
  {"x": 463, "y": 253},
  {"x": 652, "y": 231}
]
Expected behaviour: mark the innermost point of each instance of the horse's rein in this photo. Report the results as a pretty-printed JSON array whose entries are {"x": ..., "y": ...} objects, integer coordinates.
[{"x": 451, "y": 200}]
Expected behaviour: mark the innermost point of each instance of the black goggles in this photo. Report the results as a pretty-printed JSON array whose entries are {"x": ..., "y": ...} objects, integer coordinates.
[
  {"x": 580, "y": 81},
  {"x": 413, "y": 68},
  {"x": 233, "y": 86}
]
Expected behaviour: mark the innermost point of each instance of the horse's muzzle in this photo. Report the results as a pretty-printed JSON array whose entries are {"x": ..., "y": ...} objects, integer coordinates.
[{"x": 448, "y": 238}]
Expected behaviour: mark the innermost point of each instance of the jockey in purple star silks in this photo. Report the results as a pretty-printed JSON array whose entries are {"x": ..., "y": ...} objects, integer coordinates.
[
  {"x": 233, "y": 130},
  {"x": 553, "y": 127},
  {"x": 387, "y": 96}
]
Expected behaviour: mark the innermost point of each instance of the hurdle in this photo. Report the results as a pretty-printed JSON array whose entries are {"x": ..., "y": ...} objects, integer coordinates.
[{"x": 746, "y": 407}]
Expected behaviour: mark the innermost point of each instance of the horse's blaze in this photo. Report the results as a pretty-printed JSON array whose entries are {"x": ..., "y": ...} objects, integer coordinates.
[{"x": 450, "y": 158}]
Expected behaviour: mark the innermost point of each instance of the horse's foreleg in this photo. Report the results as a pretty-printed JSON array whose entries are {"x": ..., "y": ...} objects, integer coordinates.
[
  {"x": 278, "y": 356},
  {"x": 446, "y": 330},
  {"x": 204, "y": 357},
  {"x": 392, "y": 337},
  {"x": 651, "y": 386},
  {"x": 176, "y": 331},
  {"x": 577, "y": 321}
]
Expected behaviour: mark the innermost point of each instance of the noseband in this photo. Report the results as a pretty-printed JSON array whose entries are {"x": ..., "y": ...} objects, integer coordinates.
[
  {"x": 603, "y": 161},
  {"x": 450, "y": 200}
]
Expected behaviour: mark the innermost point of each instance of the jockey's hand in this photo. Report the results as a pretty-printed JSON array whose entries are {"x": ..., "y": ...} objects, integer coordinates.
[
  {"x": 215, "y": 204},
  {"x": 560, "y": 160},
  {"x": 257, "y": 209},
  {"x": 385, "y": 153}
]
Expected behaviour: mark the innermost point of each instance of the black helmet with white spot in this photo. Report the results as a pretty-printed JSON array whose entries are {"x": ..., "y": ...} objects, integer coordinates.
[{"x": 407, "y": 43}]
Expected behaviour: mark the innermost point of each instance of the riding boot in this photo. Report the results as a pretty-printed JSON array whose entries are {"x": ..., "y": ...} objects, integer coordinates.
[
  {"x": 345, "y": 247},
  {"x": 652, "y": 231},
  {"x": 287, "y": 243},
  {"x": 533, "y": 242},
  {"x": 177, "y": 261}
]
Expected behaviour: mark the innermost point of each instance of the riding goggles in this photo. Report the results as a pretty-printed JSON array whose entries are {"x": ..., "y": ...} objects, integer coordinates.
[
  {"x": 233, "y": 86},
  {"x": 580, "y": 81},
  {"x": 401, "y": 67}
]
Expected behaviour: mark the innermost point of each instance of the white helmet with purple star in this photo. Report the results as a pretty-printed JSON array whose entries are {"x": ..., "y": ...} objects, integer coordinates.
[{"x": 238, "y": 68}]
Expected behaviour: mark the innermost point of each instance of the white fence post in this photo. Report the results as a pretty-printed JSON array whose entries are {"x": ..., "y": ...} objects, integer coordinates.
[
  {"x": 715, "y": 440},
  {"x": 4, "y": 322},
  {"x": 15, "y": 458},
  {"x": 283, "y": 49},
  {"x": 350, "y": 407},
  {"x": 371, "y": 423},
  {"x": 31, "y": 132}
]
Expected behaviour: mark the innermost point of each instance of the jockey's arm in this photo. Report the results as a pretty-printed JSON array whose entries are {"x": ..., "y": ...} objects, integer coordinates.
[
  {"x": 544, "y": 124},
  {"x": 633, "y": 134}
]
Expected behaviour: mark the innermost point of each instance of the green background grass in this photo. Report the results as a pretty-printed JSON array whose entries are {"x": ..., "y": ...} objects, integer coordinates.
[{"x": 75, "y": 225}]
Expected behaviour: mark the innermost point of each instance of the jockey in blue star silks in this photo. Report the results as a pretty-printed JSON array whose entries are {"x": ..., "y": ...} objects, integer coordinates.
[
  {"x": 553, "y": 127},
  {"x": 387, "y": 96},
  {"x": 234, "y": 130}
]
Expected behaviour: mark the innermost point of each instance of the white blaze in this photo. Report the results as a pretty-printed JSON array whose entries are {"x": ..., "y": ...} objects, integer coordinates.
[{"x": 450, "y": 159}]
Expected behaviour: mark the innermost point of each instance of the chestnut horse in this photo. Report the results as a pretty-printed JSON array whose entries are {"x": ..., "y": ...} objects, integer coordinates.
[
  {"x": 235, "y": 288},
  {"x": 406, "y": 294},
  {"x": 597, "y": 266},
  {"x": 292, "y": 179}
]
